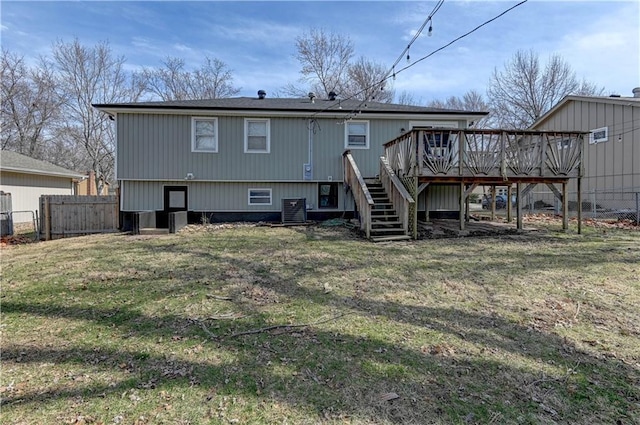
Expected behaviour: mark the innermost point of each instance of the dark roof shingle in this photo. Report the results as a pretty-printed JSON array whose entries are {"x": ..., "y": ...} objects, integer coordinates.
[{"x": 13, "y": 161}]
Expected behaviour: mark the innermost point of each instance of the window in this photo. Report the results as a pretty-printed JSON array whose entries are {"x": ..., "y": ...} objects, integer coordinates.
[
  {"x": 357, "y": 135},
  {"x": 599, "y": 135},
  {"x": 436, "y": 144},
  {"x": 259, "y": 196},
  {"x": 564, "y": 144},
  {"x": 204, "y": 134},
  {"x": 328, "y": 195},
  {"x": 256, "y": 136}
]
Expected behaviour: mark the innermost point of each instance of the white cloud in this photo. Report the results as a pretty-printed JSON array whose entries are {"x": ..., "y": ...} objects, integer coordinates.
[{"x": 607, "y": 51}]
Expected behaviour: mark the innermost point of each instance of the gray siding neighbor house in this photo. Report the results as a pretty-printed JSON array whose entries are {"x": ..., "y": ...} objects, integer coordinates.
[
  {"x": 612, "y": 150},
  {"x": 238, "y": 158}
]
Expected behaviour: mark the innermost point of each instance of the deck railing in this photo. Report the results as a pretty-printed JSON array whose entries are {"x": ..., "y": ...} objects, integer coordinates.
[
  {"x": 398, "y": 194},
  {"x": 361, "y": 195},
  {"x": 486, "y": 152}
]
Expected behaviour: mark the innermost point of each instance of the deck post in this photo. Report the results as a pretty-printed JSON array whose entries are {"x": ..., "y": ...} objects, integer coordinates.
[
  {"x": 493, "y": 202},
  {"x": 508, "y": 206},
  {"x": 519, "y": 206},
  {"x": 579, "y": 205},
  {"x": 462, "y": 205},
  {"x": 565, "y": 207}
]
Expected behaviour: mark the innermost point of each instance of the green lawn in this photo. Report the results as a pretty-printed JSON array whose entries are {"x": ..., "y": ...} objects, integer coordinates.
[{"x": 534, "y": 328}]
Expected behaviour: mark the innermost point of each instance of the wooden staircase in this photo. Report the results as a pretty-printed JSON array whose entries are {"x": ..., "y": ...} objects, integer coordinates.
[{"x": 385, "y": 222}]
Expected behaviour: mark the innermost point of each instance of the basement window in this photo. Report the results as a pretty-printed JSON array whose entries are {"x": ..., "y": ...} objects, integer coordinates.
[
  {"x": 328, "y": 195},
  {"x": 204, "y": 135},
  {"x": 260, "y": 196}
]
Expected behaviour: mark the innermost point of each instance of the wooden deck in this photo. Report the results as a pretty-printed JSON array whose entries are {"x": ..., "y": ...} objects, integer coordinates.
[
  {"x": 516, "y": 159},
  {"x": 489, "y": 155}
]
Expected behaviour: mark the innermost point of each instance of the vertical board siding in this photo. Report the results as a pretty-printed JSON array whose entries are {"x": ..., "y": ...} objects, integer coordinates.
[
  {"x": 154, "y": 150},
  {"x": 220, "y": 197},
  {"x": 611, "y": 165},
  {"x": 440, "y": 197},
  {"x": 158, "y": 147}
]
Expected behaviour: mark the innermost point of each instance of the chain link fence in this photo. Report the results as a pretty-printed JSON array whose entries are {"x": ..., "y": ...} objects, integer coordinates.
[{"x": 598, "y": 205}]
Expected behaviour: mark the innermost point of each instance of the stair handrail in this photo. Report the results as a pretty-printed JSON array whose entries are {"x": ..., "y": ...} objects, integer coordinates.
[
  {"x": 398, "y": 194},
  {"x": 353, "y": 178}
]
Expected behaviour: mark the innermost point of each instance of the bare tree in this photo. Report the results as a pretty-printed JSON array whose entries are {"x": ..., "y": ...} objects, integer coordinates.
[
  {"x": 524, "y": 90},
  {"x": 325, "y": 62},
  {"x": 367, "y": 80},
  {"x": 88, "y": 75},
  {"x": 29, "y": 105},
  {"x": 406, "y": 98},
  {"x": 471, "y": 101},
  {"x": 212, "y": 80}
]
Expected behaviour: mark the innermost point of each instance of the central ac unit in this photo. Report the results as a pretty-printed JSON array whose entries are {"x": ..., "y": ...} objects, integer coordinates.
[{"x": 294, "y": 210}]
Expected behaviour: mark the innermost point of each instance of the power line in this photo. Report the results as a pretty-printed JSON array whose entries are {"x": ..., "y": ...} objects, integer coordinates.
[
  {"x": 463, "y": 36},
  {"x": 433, "y": 53},
  {"x": 394, "y": 73},
  {"x": 391, "y": 70}
]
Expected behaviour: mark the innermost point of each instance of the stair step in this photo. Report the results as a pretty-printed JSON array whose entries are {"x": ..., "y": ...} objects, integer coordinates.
[
  {"x": 386, "y": 213},
  {"x": 385, "y": 217},
  {"x": 398, "y": 230},
  {"x": 395, "y": 224},
  {"x": 390, "y": 238},
  {"x": 153, "y": 231}
]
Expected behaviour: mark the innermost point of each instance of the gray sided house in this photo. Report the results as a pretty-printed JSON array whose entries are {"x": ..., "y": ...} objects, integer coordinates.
[
  {"x": 239, "y": 158},
  {"x": 612, "y": 151},
  {"x": 26, "y": 179}
]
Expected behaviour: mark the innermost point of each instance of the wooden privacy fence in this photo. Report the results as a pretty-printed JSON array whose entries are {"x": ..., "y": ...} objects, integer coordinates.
[{"x": 67, "y": 215}]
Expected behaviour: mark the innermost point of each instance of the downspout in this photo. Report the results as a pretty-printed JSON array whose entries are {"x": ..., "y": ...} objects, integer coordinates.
[
  {"x": 308, "y": 167},
  {"x": 312, "y": 124}
]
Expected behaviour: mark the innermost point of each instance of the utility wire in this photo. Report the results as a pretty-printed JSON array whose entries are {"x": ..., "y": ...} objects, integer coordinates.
[
  {"x": 424, "y": 57},
  {"x": 391, "y": 70},
  {"x": 463, "y": 36}
]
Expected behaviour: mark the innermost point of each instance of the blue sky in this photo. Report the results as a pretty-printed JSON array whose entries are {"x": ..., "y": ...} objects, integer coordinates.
[{"x": 599, "y": 39}]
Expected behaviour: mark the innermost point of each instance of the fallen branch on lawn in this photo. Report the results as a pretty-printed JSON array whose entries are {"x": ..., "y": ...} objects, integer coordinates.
[
  {"x": 289, "y": 326},
  {"x": 219, "y": 297},
  {"x": 207, "y": 331}
]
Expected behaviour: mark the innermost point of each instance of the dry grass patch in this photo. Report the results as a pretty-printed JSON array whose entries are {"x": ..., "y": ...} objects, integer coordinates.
[{"x": 191, "y": 328}]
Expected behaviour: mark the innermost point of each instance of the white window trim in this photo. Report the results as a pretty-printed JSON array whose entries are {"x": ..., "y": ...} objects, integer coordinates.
[
  {"x": 193, "y": 134},
  {"x": 346, "y": 135},
  {"x": 593, "y": 141},
  {"x": 262, "y": 189},
  {"x": 246, "y": 135},
  {"x": 434, "y": 124}
]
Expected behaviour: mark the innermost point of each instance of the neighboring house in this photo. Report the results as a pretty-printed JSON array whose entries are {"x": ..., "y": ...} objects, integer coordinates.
[
  {"x": 612, "y": 150},
  {"x": 239, "y": 158},
  {"x": 26, "y": 179},
  {"x": 88, "y": 186}
]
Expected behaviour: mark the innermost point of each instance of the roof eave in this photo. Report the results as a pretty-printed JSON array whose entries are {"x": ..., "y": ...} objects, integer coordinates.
[
  {"x": 41, "y": 172},
  {"x": 324, "y": 113}
]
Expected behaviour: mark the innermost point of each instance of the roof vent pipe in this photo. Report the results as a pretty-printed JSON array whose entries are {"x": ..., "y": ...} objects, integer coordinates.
[
  {"x": 332, "y": 95},
  {"x": 262, "y": 94},
  {"x": 636, "y": 92},
  {"x": 312, "y": 97}
]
